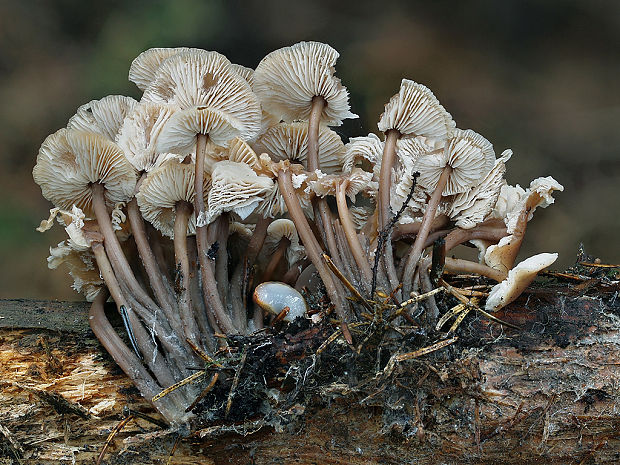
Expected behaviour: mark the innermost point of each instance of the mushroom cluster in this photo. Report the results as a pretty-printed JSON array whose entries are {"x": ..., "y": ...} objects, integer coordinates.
[{"x": 204, "y": 208}]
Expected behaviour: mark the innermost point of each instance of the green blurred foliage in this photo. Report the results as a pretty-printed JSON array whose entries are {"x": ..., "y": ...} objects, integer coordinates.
[{"x": 540, "y": 77}]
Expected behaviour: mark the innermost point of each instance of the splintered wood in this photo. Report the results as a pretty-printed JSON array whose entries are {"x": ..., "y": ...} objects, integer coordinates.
[{"x": 548, "y": 392}]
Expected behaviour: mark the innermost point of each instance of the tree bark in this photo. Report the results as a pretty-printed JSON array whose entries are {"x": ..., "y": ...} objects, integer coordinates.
[{"x": 547, "y": 393}]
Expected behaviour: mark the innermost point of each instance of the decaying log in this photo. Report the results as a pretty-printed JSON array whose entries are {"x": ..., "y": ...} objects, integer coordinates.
[{"x": 546, "y": 393}]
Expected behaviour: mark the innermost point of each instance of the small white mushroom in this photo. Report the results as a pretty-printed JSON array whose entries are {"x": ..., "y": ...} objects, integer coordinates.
[
  {"x": 274, "y": 297},
  {"x": 517, "y": 281}
]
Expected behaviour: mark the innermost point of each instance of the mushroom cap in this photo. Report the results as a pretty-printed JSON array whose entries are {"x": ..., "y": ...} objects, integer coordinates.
[
  {"x": 82, "y": 268},
  {"x": 285, "y": 228},
  {"x": 539, "y": 194},
  {"x": 144, "y": 67},
  {"x": 140, "y": 131},
  {"x": 287, "y": 80},
  {"x": 275, "y": 296},
  {"x": 69, "y": 161},
  {"x": 290, "y": 141},
  {"x": 246, "y": 73},
  {"x": 416, "y": 111},
  {"x": 236, "y": 187},
  {"x": 159, "y": 193},
  {"x": 241, "y": 152},
  {"x": 179, "y": 133},
  {"x": 356, "y": 181},
  {"x": 517, "y": 281},
  {"x": 473, "y": 206},
  {"x": 469, "y": 154},
  {"x": 104, "y": 117},
  {"x": 197, "y": 78},
  {"x": 359, "y": 149}
]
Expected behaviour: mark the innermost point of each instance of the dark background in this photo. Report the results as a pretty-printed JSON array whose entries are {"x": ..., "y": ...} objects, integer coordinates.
[{"x": 538, "y": 77}]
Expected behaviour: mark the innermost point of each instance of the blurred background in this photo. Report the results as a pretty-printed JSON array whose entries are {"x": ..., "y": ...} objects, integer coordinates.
[{"x": 538, "y": 77}]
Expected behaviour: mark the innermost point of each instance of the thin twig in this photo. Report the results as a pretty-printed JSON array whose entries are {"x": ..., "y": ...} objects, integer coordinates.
[
  {"x": 117, "y": 429},
  {"x": 235, "y": 382}
]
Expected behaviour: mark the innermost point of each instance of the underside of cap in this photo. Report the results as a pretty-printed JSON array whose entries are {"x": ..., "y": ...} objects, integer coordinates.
[
  {"x": 290, "y": 141},
  {"x": 287, "y": 80},
  {"x": 69, "y": 161},
  {"x": 416, "y": 111},
  {"x": 104, "y": 117},
  {"x": 144, "y": 67}
]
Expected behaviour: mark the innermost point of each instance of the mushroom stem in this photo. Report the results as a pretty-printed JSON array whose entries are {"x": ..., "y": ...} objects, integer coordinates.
[
  {"x": 156, "y": 279},
  {"x": 221, "y": 263},
  {"x": 145, "y": 344},
  {"x": 350, "y": 232},
  {"x": 457, "y": 265},
  {"x": 114, "y": 250},
  {"x": 155, "y": 239},
  {"x": 459, "y": 236},
  {"x": 183, "y": 211},
  {"x": 126, "y": 359},
  {"x": 411, "y": 229},
  {"x": 313, "y": 249},
  {"x": 314, "y": 123},
  {"x": 425, "y": 227},
  {"x": 218, "y": 317},
  {"x": 383, "y": 201},
  {"x": 276, "y": 258}
]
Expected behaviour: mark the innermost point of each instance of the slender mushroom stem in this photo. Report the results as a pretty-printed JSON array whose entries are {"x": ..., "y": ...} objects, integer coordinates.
[
  {"x": 155, "y": 240},
  {"x": 425, "y": 227},
  {"x": 383, "y": 201},
  {"x": 459, "y": 236},
  {"x": 290, "y": 277},
  {"x": 126, "y": 359},
  {"x": 412, "y": 229},
  {"x": 198, "y": 305},
  {"x": 275, "y": 259},
  {"x": 313, "y": 249},
  {"x": 156, "y": 279},
  {"x": 114, "y": 250},
  {"x": 183, "y": 211},
  {"x": 457, "y": 265},
  {"x": 217, "y": 315},
  {"x": 314, "y": 123},
  {"x": 145, "y": 344},
  {"x": 221, "y": 262},
  {"x": 350, "y": 232}
]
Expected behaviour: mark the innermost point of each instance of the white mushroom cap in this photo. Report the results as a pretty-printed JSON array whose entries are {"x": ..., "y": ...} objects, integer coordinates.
[
  {"x": 517, "y": 281},
  {"x": 69, "y": 161},
  {"x": 357, "y": 180},
  {"x": 179, "y": 133},
  {"x": 473, "y": 206},
  {"x": 144, "y": 67},
  {"x": 289, "y": 78},
  {"x": 539, "y": 194},
  {"x": 274, "y": 296},
  {"x": 82, "y": 268},
  {"x": 240, "y": 151},
  {"x": 286, "y": 228},
  {"x": 159, "y": 193},
  {"x": 469, "y": 154},
  {"x": 104, "y": 117},
  {"x": 416, "y": 111},
  {"x": 290, "y": 141},
  {"x": 366, "y": 148},
  {"x": 139, "y": 133},
  {"x": 237, "y": 188},
  {"x": 246, "y": 73}
]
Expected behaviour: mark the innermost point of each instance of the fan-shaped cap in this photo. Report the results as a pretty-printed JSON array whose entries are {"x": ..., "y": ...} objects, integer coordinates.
[
  {"x": 517, "y": 281},
  {"x": 246, "y": 73},
  {"x": 159, "y": 193},
  {"x": 416, "y": 111},
  {"x": 69, "y": 161},
  {"x": 539, "y": 194},
  {"x": 144, "y": 67},
  {"x": 290, "y": 141},
  {"x": 286, "y": 228},
  {"x": 104, "y": 117},
  {"x": 197, "y": 78},
  {"x": 469, "y": 154},
  {"x": 359, "y": 149},
  {"x": 240, "y": 151},
  {"x": 179, "y": 133},
  {"x": 139, "y": 133},
  {"x": 289, "y": 78},
  {"x": 473, "y": 206},
  {"x": 236, "y": 187},
  {"x": 82, "y": 268}
]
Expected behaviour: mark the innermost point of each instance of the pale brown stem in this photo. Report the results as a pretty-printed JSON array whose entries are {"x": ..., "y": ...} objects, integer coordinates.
[
  {"x": 290, "y": 277},
  {"x": 155, "y": 239},
  {"x": 459, "y": 236},
  {"x": 166, "y": 300},
  {"x": 350, "y": 233},
  {"x": 200, "y": 311},
  {"x": 457, "y": 265},
  {"x": 217, "y": 315},
  {"x": 221, "y": 263},
  {"x": 312, "y": 249},
  {"x": 314, "y": 123},
  {"x": 275, "y": 259},
  {"x": 114, "y": 250},
  {"x": 127, "y": 360},
  {"x": 183, "y": 211},
  {"x": 425, "y": 227},
  {"x": 412, "y": 229}
]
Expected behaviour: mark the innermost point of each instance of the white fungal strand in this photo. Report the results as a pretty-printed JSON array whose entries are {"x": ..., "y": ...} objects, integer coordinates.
[{"x": 274, "y": 297}]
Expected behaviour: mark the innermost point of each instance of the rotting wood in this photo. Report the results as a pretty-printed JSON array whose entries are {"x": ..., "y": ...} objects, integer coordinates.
[{"x": 547, "y": 393}]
